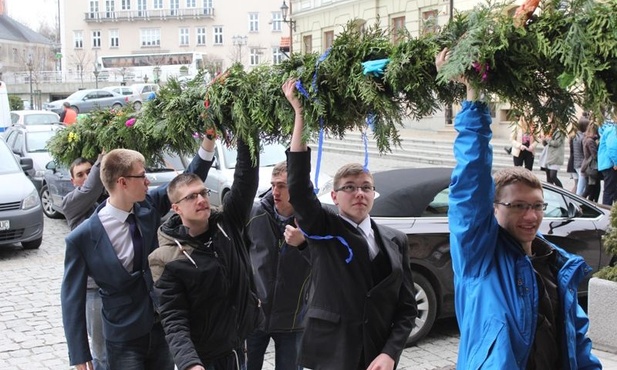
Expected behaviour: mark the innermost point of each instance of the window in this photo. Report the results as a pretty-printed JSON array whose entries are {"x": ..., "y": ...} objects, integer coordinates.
[
  {"x": 150, "y": 37},
  {"x": 114, "y": 38},
  {"x": 439, "y": 206},
  {"x": 15, "y": 55},
  {"x": 398, "y": 27},
  {"x": 429, "y": 22},
  {"x": 307, "y": 41},
  {"x": 253, "y": 22},
  {"x": 96, "y": 39},
  {"x": 254, "y": 56},
  {"x": 110, "y": 8},
  {"x": 158, "y": 4},
  {"x": 328, "y": 39},
  {"x": 277, "y": 56},
  {"x": 208, "y": 7},
  {"x": 184, "y": 36},
  {"x": 126, "y": 4},
  {"x": 190, "y": 3},
  {"x": 218, "y": 35},
  {"x": 94, "y": 9},
  {"x": 78, "y": 39},
  {"x": 201, "y": 35},
  {"x": 277, "y": 19},
  {"x": 175, "y": 4},
  {"x": 141, "y": 8}
]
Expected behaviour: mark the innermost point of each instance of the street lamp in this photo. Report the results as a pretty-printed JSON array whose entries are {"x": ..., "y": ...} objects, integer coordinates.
[
  {"x": 239, "y": 41},
  {"x": 30, "y": 65},
  {"x": 96, "y": 76},
  {"x": 285, "y": 10}
]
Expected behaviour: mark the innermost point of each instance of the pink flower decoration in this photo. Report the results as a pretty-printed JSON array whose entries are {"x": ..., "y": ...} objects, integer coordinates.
[{"x": 130, "y": 122}]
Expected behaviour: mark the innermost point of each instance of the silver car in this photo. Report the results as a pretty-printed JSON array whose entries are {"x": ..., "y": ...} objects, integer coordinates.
[
  {"x": 84, "y": 101},
  {"x": 34, "y": 118}
]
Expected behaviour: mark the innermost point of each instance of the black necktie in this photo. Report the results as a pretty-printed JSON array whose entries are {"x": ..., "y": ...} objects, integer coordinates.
[{"x": 138, "y": 242}]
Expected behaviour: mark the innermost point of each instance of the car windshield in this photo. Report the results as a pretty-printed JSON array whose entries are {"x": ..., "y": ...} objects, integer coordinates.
[
  {"x": 270, "y": 155},
  {"x": 40, "y": 119},
  {"x": 77, "y": 95},
  {"x": 37, "y": 141},
  {"x": 7, "y": 160}
]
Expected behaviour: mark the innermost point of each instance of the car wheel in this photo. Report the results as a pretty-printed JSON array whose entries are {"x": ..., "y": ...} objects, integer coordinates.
[
  {"x": 427, "y": 308},
  {"x": 48, "y": 208},
  {"x": 137, "y": 105},
  {"x": 32, "y": 244},
  {"x": 116, "y": 106},
  {"x": 73, "y": 107}
]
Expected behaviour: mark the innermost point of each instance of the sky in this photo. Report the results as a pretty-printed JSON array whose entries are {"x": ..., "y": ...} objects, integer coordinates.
[{"x": 33, "y": 12}]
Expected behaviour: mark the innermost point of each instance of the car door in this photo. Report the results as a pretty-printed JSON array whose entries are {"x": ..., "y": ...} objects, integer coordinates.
[
  {"x": 59, "y": 183},
  {"x": 88, "y": 103},
  {"x": 106, "y": 99}
]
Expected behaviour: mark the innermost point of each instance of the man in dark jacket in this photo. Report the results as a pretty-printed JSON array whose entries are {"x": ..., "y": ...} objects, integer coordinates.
[
  {"x": 362, "y": 306},
  {"x": 202, "y": 273},
  {"x": 282, "y": 273}
]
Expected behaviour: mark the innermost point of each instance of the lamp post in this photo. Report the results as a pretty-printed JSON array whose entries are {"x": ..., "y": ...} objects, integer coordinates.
[
  {"x": 239, "y": 41},
  {"x": 286, "y": 10},
  {"x": 96, "y": 76},
  {"x": 30, "y": 65}
]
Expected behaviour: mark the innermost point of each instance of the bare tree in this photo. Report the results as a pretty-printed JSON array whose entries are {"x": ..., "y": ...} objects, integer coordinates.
[{"x": 80, "y": 59}]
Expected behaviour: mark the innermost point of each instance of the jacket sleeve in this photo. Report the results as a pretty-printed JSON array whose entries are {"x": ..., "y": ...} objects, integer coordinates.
[
  {"x": 406, "y": 307},
  {"x": 585, "y": 360},
  {"x": 238, "y": 204},
  {"x": 174, "y": 310},
  {"x": 473, "y": 227},
  {"x": 73, "y": 301},
  {"x": 556, "y": 140},
  {"x": 158, "y": 197},
  {"x": 77, "y": 204}
]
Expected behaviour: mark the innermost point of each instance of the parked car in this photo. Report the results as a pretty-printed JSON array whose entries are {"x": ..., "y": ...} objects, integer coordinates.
[
  {"x": 84, "y": 101},
  {"x": 120, "y": 90},
  {"x": 31, "y": 142},
  {"x": 141, "y": 94},
  {"x": 34, "y": 118},
  {"x": 57, "y": 181},
  {"x": 221, "y": 175},
  {"x": 21, "y": 214},
  {"x": 415, "y": 201}
]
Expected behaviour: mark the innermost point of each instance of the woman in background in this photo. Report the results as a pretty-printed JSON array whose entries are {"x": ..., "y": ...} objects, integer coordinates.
[{"x": 523, "y": 143}]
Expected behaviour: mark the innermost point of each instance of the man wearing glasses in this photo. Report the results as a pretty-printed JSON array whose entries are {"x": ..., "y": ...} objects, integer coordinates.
[
  {"x": 515, "y": 292},
  {"x": 202, "y": 272},
  {"x": 362, "y": 308},
  {"x": 112, "y": 247}
]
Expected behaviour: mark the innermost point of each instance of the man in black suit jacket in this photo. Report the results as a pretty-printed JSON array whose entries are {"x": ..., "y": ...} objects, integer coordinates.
[
  {"x": 102, "y": 247},
  {"x": 362, "y": 308}
]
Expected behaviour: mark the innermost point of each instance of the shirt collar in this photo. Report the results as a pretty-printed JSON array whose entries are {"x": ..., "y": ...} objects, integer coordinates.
[
  {"x": 365, "y": 225},
  {"x": 117, "y": 213}
]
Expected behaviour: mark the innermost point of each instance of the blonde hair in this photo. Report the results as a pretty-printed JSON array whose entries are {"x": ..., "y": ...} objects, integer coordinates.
[
  {"x": 118, "y": 163},
  {"x": 183, "y": 179},
  {"x": 350, "y": 169}
]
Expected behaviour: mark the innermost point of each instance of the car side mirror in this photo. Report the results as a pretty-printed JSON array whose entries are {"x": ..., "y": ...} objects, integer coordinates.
[
  {"x": 26, "y": 163},
  {"x": 215, "y": 163},
  {"x": 51, "y": 165}
]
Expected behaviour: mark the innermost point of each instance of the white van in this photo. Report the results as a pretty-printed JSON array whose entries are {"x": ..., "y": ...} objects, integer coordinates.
[{"x": 5, "y": 108}]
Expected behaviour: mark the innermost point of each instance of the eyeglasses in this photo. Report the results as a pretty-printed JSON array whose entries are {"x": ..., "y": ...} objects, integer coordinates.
[
  {"x": 353, "y": 188},
  {"x": 136, "y": 176},
  {"x": 524, "y": 206},
  {"x": 204, "y": 193}
]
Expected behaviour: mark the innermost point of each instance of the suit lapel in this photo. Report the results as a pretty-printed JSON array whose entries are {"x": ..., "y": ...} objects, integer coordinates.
[{"x": 389, "y": 246}]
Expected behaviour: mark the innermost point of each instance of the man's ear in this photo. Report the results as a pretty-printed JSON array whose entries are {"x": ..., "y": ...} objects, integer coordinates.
[
  {"x": 176, "y": 208},
  {"x": 334, "y": 194}
]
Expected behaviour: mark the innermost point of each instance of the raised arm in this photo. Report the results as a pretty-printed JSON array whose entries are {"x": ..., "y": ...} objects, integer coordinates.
[
  {"x": 238, "y": 204},
  {"x": 297, "y": 145},
  {"x": 78, "y": 204}
]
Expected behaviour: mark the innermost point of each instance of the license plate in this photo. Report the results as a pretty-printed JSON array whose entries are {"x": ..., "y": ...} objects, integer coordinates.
[{"x": 5, "y": 224}]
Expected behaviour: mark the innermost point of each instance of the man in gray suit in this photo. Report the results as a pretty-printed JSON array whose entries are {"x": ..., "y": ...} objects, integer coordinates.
[{"x": 104, "y": 247}]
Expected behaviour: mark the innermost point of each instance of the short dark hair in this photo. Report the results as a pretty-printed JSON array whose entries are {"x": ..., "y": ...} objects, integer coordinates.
[
  {"x": 67, "y": 104},
  {"x": 183, "y": 179},
  {"x": 514, "y": 175},
  {"x": 77, "y": 162}
]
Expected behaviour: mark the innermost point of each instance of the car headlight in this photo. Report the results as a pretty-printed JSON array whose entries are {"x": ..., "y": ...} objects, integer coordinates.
[{"x": 31, "y": 201}]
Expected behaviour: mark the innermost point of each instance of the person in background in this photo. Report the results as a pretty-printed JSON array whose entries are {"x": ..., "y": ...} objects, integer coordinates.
[
  {"x": 607, "y": 159},
  {"x": 202, "y": 272},
  {"x": 553, "y": 154},
  {"x": 282, "y": 270},
  {"x": 577, "y": 155},
  {"x": 111, "y": 248},
  {"x": 362, "y": 306},
  {"x": 515, "y": 292},
  {"x": 68, "y": 116},
  {"x": 590, "y": 154},
  {"x": 524, "y": 143}
]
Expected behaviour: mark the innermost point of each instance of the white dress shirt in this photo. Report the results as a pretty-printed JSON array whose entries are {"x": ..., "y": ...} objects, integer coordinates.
[{"x": 367, "y": 231}]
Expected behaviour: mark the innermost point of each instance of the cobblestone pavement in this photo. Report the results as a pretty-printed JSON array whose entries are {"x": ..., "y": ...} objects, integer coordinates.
[{"x": 31, "y": 334}]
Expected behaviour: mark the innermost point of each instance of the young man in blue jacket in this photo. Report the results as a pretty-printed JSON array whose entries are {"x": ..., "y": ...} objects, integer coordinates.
[{"x": 516, "y": 300}]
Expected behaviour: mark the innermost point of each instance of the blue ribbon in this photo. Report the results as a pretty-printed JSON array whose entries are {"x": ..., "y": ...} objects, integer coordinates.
[
  {"x": 303, "y": 91},
  {"x": 330, "y": 237}
]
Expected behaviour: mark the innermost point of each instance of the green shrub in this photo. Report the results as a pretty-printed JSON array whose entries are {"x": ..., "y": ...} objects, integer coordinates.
[
  {"x": 15, "y": 102},
  {"x": 609, "y": 241}
]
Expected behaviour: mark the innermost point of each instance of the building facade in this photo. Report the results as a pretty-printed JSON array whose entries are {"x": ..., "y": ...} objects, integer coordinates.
[{"x": 160, "y": 33}]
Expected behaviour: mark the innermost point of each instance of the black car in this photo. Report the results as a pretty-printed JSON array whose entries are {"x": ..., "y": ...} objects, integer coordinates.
[{"x": 415, "y": 201}]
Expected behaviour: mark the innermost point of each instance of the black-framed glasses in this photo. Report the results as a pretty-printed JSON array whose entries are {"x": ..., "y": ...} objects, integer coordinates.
[
  {"x": 135, "y": 176},
  {"x": 349, "y": 188},
  {"x": 524, "y": 206},
  {"x": 204, "y": 193}
]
